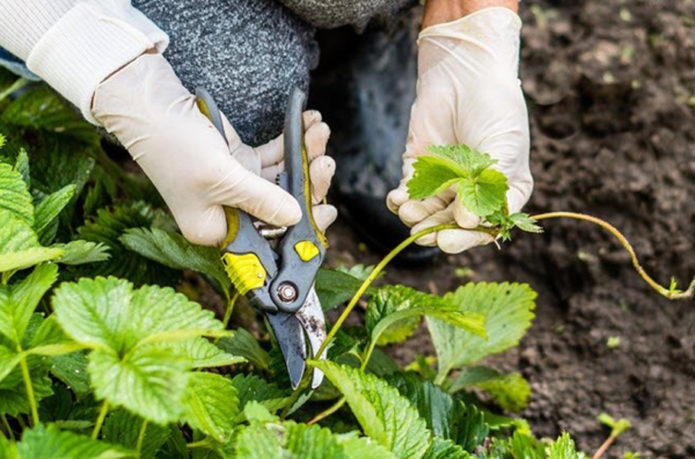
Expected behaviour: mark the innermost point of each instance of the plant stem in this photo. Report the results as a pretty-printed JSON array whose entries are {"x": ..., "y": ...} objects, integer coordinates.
[
  {"x": 198, "y": 444},
  {"x": 604, "y": 447},
  {"x": 16, "y": 86},
  {"x": 327, "y": 412},
  {"x": 228, "y": 312},
  {"x": 351, "y": 305},
  {"x": 7, "y": 427},
  {"x": 100, "y": 420},
  {"x": 668, "y": 293},
  {"x": 372, "y": 277},
  {"x": 30, "y": 389},
  {"x": 141, "y": 438}
]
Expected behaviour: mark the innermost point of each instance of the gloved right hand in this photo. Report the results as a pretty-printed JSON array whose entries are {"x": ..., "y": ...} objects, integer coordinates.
[{"x": 157, "y": 120}]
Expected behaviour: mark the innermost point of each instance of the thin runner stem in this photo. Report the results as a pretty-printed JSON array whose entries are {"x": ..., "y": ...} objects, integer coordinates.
[
  {"x": 669, "y": 293},
  {"x": 604, "y": 447},
  {"x": 100, "y": 420}
]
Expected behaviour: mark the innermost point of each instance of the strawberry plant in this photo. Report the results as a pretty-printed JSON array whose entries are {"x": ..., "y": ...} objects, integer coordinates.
[{"x": 108, "y": 350}]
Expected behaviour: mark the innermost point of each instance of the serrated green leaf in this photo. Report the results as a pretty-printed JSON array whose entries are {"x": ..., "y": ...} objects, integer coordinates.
[
  {"x": 21, "y": 165},
  {"x": 135, "y": 363},
  {"x": 268, "y": 437},
  {"x": 484, "y": 194},
  {"x": 510, "y": 391},
  {"x": 335, "y": 287},
  {"x": 522, "y": 445},
  {"x": 173, "y": 250},
  {"x": 446, "y": 449},
  {"x": 14, "y": 195},
  {"x": 251, "y": 388},
  {"x": 257, "y": 442},
  {"x": 432, "y": 176},
  {"x": 109, "y": 313},
  {"x": 123, "y": 428},
  {"x": 211, "y": 405},
  {"x": 47, "y": 212},
  {"x": 49, "y": 442},
  {"x": 382, "y": 412},
  {"x": 81, "y": 252},
  {"x": 563, "y": 448},
  {"x": 9, "y": 359},
  {"x": 508, "y": 312},
  {"x": 525, "y": 223},
  {"x": 468, "y": 428},
  {"x": 71, "y": 369},
  {"x": 471, "y": 162},
  {"x": 58, "y": 161},
  {"x": 150, "y": 383},
  {"x": 243, "y": 343},
  {"x": 107, "y": 228},
  {"x": 40, "y": 107},
  {"x": 394, "y": 313},
  {"x": 433, "y": 404},
  {"x": 18, "y": 302},
  {"x": 19, "y": 246}
]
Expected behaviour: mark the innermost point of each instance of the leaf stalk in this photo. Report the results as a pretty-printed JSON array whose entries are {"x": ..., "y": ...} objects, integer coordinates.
[
  {"x": 29, "y": 388},
  {"x": 100, "y": 419}
]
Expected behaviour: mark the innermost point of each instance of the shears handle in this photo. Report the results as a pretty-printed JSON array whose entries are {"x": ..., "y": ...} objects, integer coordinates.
[
  {"x": 247, "y": 256},
  {"x": 303, "y": 247}
]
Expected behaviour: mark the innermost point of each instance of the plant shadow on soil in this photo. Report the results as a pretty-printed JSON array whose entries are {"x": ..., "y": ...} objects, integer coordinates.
[{"x": 610, "y": 87}]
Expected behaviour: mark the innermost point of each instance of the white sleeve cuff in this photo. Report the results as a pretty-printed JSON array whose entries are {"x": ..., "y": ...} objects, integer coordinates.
[{"x": 90, "y": 42}]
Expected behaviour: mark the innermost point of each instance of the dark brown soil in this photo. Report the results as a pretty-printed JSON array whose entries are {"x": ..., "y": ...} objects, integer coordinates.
[{"x": 610, "y": 87}]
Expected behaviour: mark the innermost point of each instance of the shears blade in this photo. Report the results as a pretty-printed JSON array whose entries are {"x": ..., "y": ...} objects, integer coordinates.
[
  {"x": 292, "y": 330},
  {"x": 310, "y": 315}
]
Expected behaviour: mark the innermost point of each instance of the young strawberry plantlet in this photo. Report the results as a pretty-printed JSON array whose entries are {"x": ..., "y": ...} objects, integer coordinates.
[{"x": 482, "y": 190}]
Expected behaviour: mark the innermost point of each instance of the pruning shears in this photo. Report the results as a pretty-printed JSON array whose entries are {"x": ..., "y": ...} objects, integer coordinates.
[{"x": 277, "y": 276}]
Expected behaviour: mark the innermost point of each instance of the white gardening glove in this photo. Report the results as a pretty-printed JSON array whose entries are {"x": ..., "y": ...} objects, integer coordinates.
[
  {"x": 468, "y": 92},
  {"x": 157, "y": 120}
]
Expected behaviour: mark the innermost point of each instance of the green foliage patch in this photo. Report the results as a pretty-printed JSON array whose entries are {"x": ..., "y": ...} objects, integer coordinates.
[{"x": 108, "y": 350}]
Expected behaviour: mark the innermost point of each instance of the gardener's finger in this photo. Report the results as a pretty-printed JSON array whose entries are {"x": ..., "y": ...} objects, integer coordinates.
[
  {"x": 324, "y": 216},
  {"x": 273, "y": 152},
  {"x": 438, "y": 218},
  {"x": 321, "y": 171},
  {"x": 459, "y": 240},
  {"x": 414, "y": 211}
]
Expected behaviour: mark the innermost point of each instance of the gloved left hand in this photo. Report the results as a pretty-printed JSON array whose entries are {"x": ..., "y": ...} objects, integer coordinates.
[{"x": 468, "y": 92}]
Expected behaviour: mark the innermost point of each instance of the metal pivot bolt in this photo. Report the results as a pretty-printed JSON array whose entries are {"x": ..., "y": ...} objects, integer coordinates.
[{"x": 287, "y": 292}]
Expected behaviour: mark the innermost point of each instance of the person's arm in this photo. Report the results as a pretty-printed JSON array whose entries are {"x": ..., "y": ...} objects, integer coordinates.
[
  {"x": 440, "y": 11},
  {"x": 73, "y": 45}
]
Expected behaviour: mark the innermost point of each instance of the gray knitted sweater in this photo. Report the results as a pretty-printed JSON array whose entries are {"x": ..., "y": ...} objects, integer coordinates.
[{"x": 334, "y": 13}]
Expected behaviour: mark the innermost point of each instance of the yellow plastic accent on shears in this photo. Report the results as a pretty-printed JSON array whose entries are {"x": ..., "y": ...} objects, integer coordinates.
[
  {"x": 245, "y": 271},
  {"x": 306, "y": 250},
  {"x": 307, "y": 196},
  {"x": 232, "y": 226}
]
